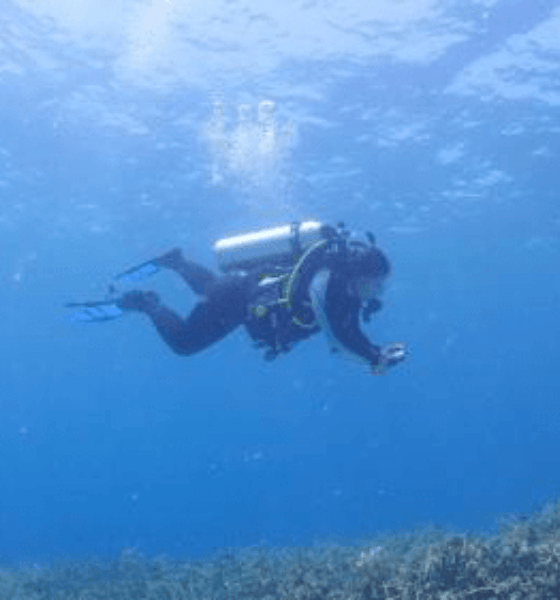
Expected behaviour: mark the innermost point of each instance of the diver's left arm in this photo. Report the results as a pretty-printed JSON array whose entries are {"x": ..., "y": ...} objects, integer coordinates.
[{"x": 343, "y": 314}]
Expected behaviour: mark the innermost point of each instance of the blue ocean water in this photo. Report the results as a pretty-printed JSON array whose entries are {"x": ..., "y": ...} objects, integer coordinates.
[{"x": 131, "y": 127}]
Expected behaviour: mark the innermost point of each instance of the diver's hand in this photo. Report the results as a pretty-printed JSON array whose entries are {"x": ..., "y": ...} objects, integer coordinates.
[{"x": 390, "y": 355}]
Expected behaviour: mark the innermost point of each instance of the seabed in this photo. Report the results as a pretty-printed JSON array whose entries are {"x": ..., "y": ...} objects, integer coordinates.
[{"x": 519, "y": 562}]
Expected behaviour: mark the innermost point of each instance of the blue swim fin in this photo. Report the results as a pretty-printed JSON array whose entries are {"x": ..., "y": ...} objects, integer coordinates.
[
  {"x": 139, "y": 273},
  {"x": 108, "y": 310},
  {"x": 95, "y": 312}
]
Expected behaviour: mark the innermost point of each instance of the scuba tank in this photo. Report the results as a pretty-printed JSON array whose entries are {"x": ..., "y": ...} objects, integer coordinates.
[{"x": 281, "y": 246}]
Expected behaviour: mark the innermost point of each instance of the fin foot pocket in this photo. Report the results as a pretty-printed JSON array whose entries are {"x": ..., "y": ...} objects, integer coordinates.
[
  {"x": 170, "y": 260},
  {"x": 138, "y": 300}
]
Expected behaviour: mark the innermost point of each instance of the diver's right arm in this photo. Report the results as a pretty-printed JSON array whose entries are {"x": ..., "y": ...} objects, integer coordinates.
[{"x": 343, "y": 317}]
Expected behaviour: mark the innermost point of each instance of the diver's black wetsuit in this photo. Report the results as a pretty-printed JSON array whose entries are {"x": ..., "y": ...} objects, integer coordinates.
[
  {"x": 222, "y": 310},
  {"x": 241, "y": 299}
]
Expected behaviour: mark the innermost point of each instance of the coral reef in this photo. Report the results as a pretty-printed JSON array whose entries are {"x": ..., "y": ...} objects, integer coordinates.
[{"x": 520, "y": 562}]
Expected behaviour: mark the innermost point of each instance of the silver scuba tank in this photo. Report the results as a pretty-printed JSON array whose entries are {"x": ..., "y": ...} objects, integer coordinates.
[{"x": 278, "y": 245}]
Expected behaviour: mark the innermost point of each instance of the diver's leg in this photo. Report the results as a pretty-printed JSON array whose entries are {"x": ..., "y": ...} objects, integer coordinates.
[
  {"x": 187, "y": 336},
  {"x": 207, "y": 323},
  {"x": 200, "y": 279}
]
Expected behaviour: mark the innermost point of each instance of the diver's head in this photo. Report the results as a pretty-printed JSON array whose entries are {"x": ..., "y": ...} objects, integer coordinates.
[
  {"x": 366, "y": 260},
  {"x": 367, "y": 269}
]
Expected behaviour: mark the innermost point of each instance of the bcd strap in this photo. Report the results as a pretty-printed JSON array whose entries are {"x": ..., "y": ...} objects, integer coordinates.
[{"x": 292, "y": 282}]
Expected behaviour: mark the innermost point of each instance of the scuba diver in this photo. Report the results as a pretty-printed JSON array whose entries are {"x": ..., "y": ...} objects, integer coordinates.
[{"x": 284, "y": 284}]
